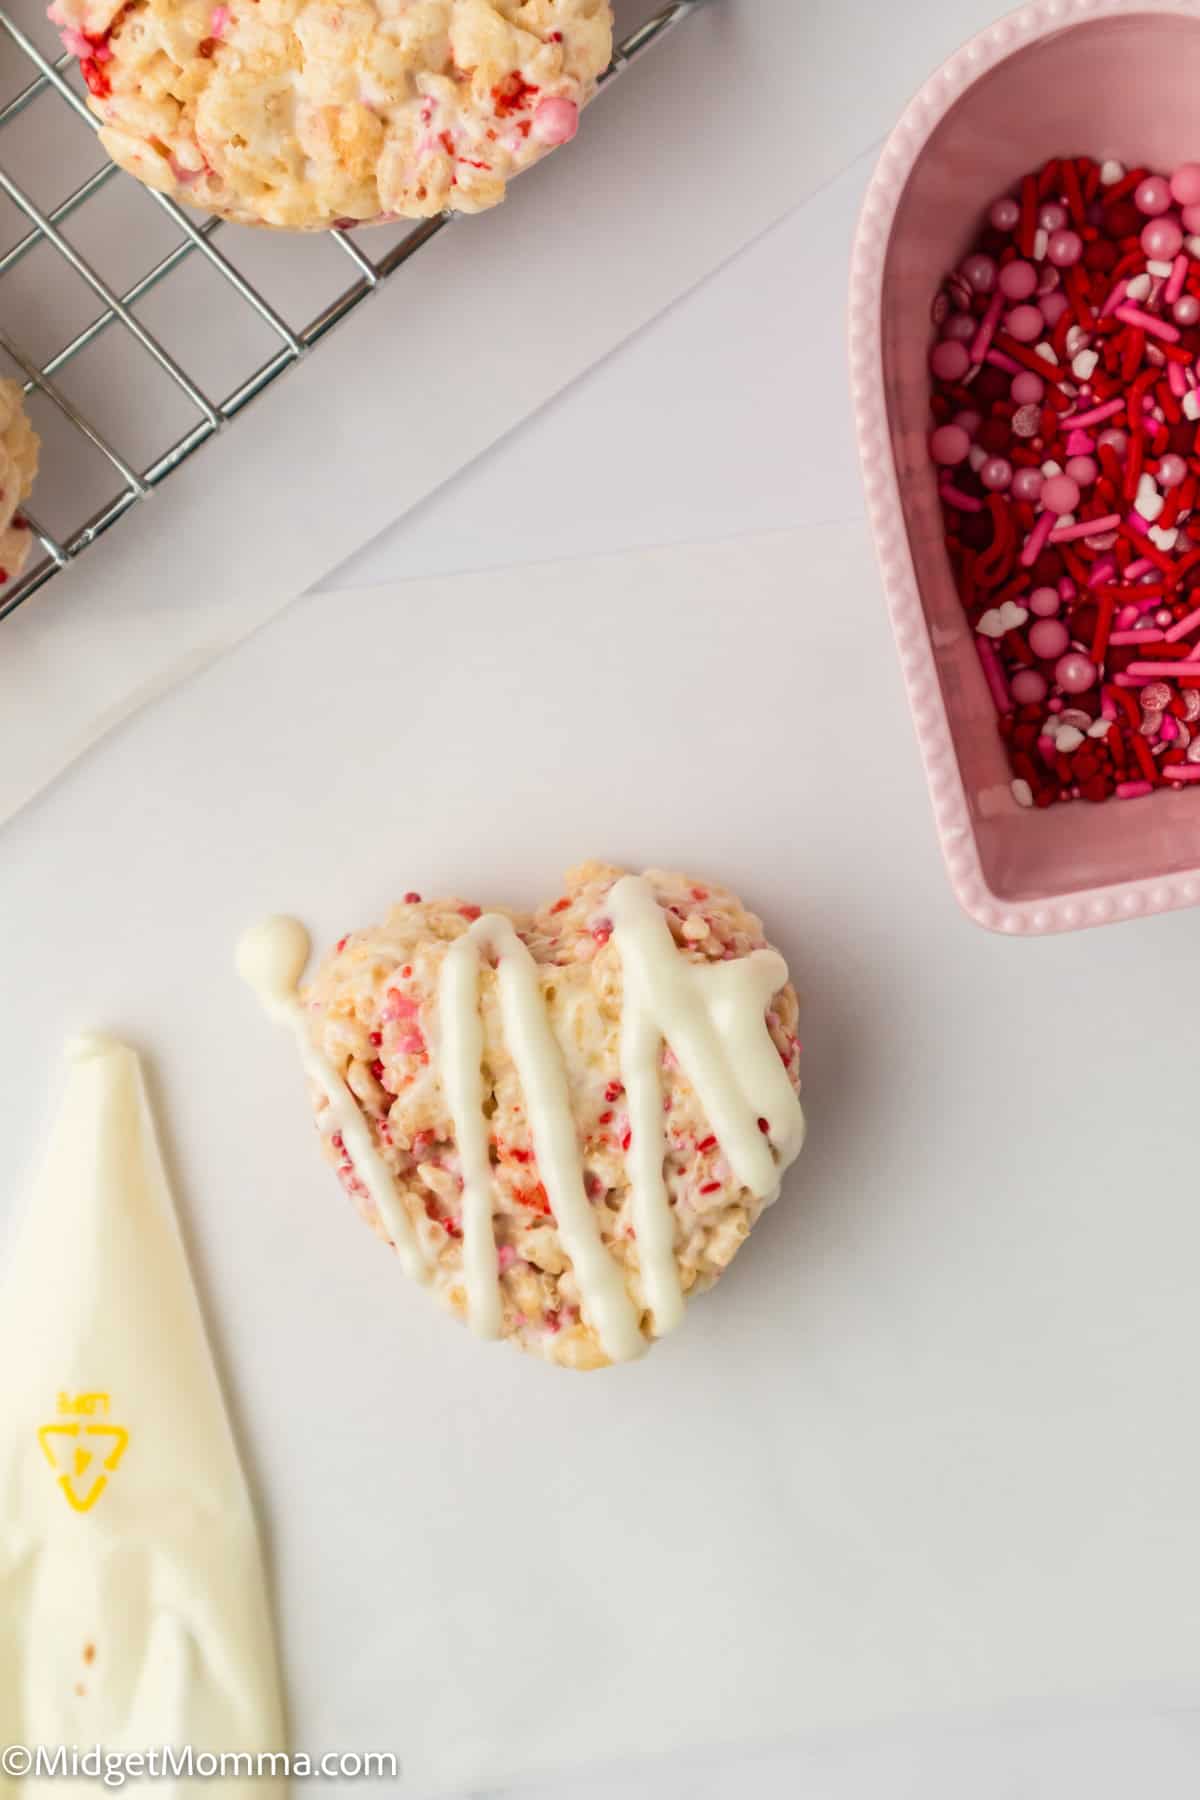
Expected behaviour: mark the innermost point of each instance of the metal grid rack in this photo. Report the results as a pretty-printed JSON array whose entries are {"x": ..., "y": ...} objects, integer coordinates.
[{"x": 139, "y": 477}]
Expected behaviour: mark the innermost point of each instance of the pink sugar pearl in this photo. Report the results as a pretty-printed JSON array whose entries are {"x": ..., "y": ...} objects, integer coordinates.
[
  {"x": 1162, "y": 240},
  {"x": 1005, "y": 213},
  {"x": 1049, "y": 637},
  {"x": 1027, "y": 484},
  {"x": 980, "y": 271},
  {"x": 1075, "y": 673},
  {"x": 1185, "y": 184},
  {"x": 1082, "y": 469},
  {"x": 949, "y": 360},
  {"x": 1044, "y": 602},
  {"x": 949, "y": 446},
  {"x": 996, "y": 474},
  {"x": 1186, "y": 310},
  {"x": 1065, "y": 248},
  {"x": 1027, "y": 388},
  {"x": 1152, "y": 196},
  {"x": 1052, "y": 216},
  {"x": 1172, "y": 471},
  {"x": 1017, "y": 280},
  {"x": 1025, "y": 323},
  {"x": 970, "y": 421},
  {"x": 1112, "y": 439},
  {"x": 1191, "y": 218},
  {"x": 1060, "y": 494},
  {"x": 1052, "y": 307},
  {"x": 961, "y": 326},
  {"x": 1027, "y": 687},
  {"x": 555, "y": 121}
]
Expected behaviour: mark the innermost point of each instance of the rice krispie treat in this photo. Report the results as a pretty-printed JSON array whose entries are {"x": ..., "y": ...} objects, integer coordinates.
[
  {"x": 306, "y": 113},
  {"x": 567, "y": 1122},
  {"x": 19, "y": 447}
]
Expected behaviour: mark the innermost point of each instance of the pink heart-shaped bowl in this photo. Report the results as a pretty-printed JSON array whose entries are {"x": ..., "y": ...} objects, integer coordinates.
[{"x": 1105, "y": 78}]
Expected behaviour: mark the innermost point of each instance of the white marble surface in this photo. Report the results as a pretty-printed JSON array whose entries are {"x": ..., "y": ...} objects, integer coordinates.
[{"x": 726, "y": 416}]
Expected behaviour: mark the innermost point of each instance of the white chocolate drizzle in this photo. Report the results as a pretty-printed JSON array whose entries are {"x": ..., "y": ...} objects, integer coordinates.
[
  {"x": 711, "y": 1014},
  {"x": 271, "y": 958},
  {"x": 539, "y": 1065}
]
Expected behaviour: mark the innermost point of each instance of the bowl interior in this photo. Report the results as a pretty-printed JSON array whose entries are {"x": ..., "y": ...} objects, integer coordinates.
[{"x": 1125, "y": 87}]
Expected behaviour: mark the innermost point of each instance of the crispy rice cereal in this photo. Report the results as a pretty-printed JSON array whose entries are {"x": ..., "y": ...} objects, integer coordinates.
[
  {"x": 373, "y": 1013},
  {"x": 19, "y": 448},
  {"x": 303, "y": 113}
]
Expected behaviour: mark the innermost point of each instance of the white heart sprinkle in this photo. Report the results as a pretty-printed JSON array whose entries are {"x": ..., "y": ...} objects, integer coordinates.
[
  {"x": 1012, "y": 616},
  {"x": 991, "y": 625},
  {"x": 1149, "y": 501},
  {"x": 1050, "y": 467},
  {"x": 1191, "y": 404},
  {"x": 977, "y": 456},
  {"x": 1022, "y": 793},
  {"x": 1160, "y": 269},
  {"x": 1164, "y": 539},
  {"x": 1111, "y": 172},
  {"x": 1046, "y": 353},
  {"x": 1084, "y": 365},
  {"x": 1139, "y": 288},
  {"x": 1069, "y": 738},
  {"x": 1100, "y": 729},
  {"x": 1041, "y": 243}
]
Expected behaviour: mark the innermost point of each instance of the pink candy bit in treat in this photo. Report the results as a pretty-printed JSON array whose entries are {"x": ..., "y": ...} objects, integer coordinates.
[
  {"x": 1072, "y": 513},
  {"x": 555, "y": 121}
]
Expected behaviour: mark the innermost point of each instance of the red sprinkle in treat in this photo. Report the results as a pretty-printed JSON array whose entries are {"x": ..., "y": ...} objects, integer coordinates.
[{"x": 1066, "y": 401}]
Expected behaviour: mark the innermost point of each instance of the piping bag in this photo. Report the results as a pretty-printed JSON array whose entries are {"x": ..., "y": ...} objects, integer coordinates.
[{"x": 133, "y": 1605}]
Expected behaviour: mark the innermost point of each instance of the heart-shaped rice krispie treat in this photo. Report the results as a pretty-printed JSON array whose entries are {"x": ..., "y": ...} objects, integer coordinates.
[
  {"x": 306, "y": 113},
  {"x": 568, "y": 1122},
  {"x": 19, "y": 447}
]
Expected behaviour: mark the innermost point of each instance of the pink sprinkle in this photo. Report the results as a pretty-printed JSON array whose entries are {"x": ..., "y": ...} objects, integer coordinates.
[
  {"x": 1135, "y": 519},
  {"x": 1168, "y": 731},
  {"x": 1125, "y": 681},
  {"x": 1102, "y": 569},
  {"x": 987, "y": 330},
  {"x": 1182, "y": 771},
  {"x": 1137, "y": 637},
  {"x": 412, "y": 1044},
  {"x": 1066, "y": 534},
  {"x": 1142, "y": 566},
  {"x": 993, "y": 674},
  {"x": 506, "y": 1256},
  {"x": 1176, "y": 280},
  {"x": 75, "y": 42},
  {"x": 1151, "y": 671},
  {"x": 1144, "y": 321},
  {"x": 1080, "y": 444},
  {"x": 218, "y": 19},
  {"x": 1114, "y": 299},
  {"x": 1176, "y": 380},
  {"x": 998, "y": 360},
  {"x": 1133, "y": 790},
  {"x": 964, "y": 502},
  {"x": 1182, "y": 626},
  {"x": 1047, "y": 748},
  {"x": 1096, "y": 416},
  {"x": 399, "y": 1006},
  {"x": 1036, "y": 542},
  {"x": 1108, "y": 709},
  {"x": 1128, "y": 616}
]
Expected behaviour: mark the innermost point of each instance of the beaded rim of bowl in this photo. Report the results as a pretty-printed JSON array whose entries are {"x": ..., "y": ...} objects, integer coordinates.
[{"x": 908, "y": 141}]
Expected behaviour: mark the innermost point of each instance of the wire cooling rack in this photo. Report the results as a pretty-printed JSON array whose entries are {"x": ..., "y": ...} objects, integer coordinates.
[{"x": 117, "y": 472}]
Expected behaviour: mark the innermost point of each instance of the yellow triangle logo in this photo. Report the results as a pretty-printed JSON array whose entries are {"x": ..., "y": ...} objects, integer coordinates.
[{"x": 83, "y": 1456}]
